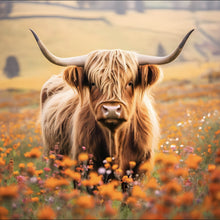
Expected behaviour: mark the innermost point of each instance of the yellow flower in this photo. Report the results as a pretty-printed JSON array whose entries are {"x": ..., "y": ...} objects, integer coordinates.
[{"x": 46, "y": 213}]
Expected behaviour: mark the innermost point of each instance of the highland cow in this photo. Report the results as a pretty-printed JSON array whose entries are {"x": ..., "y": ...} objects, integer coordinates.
[{"x": 103, "y": 101}]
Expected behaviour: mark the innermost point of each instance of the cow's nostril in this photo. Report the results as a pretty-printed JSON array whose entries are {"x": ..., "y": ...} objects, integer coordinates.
[
  {"x": 111, "y": 111},
  {"x": 118, "y": 109},
  {"x": 105, "y": 110}
]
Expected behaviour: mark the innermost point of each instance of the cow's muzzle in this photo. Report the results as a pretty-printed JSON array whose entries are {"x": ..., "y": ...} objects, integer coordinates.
[{"x": 111, "y": 115}]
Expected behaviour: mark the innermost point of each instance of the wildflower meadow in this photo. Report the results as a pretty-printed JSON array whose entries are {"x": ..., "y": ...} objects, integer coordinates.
[{"x": 184, "y": 182}]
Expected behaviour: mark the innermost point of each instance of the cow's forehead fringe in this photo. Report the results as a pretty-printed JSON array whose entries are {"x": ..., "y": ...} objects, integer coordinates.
[{"x": 110, "y": 70}]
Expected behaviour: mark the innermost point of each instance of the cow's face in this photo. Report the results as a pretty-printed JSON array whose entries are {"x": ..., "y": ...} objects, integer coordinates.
[{"x": 114, "y": 81}]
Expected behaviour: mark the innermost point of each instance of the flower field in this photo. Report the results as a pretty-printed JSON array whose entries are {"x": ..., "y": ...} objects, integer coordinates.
[{"x": 184, "y": 183}]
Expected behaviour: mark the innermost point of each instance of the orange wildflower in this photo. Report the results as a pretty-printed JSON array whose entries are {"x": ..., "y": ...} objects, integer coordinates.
[
  {"x": 132, "y": 201},
  {"x": 108, "y": 190},
  {"x": 109, "y": 211},
  {"x": 109, "y": 159},
  {"x": 146, "y": 166},
  {"x": 34, "y": 199},
  {"x": 9, "y": 192},
  {"x": 21, "y": 165},
  {"x": 211, "y": 167},
  {"x": 181, "y": 172},
  {"x": 28, "y": 191},
  {"x": 171, "y": 160},
  {"x": 132, "y": 164},
  {"x": 94, "y": 179},
  {"x": 138, "y": 192},
  {"x": 172, "y": 187},
  {"x": 86, "y": 202},
  {"x": 127, "y": 179},
  {"x": 52, "y": 157},
  {"x": 114, "y": 166},
  {"x": 67, "y": 162},
  {"x": 185, "y": 199},
  {"x": 2, "y": 162},
  {"x": 74, "y": 175},
  {"x": 217, "y": 132},
  {"x": 159, "y": 158},
  {"x": 152, "y": 184},
  {"x": 15, "y": 173},
  {"x": 70, "y": 195},
  {"x": 118, "y": 172},
  {"x": 193, "y": 161},
  {"x": 34, "y": 153},
  {"x": 54, "y": 182},
  {"x": 107, "y": 166},
  {"x": 46, "y": 213},
  {"x": 3, "y": 212},
  {"x": 38, "y": 172},
  {"x": 83, "y": 157}
]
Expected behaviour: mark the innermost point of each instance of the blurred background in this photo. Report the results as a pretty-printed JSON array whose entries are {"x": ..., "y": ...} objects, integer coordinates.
[{"x": 71, "y": 28}]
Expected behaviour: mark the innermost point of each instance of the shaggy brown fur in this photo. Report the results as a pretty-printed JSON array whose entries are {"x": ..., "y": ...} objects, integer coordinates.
[{"x": 70, "y": 101}]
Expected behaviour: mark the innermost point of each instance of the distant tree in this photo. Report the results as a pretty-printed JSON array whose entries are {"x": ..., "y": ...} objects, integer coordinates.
[
  {"x": 139, "y": 6},
  {"x": 81, "y": 4},
  {"x": 120, "y": 7},
  {"x": 160, "y": 50},
  {"x": 11, "y": 68},
  {"x": 5, "y": 8},
  {"x": 193, "y": 6}
]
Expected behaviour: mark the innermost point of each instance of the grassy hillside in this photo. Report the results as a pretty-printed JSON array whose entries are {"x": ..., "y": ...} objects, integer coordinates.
[{"x": 74, "y": 34}]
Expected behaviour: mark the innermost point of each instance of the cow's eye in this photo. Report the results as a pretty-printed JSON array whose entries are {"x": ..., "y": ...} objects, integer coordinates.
[
  {"x": 131, "y": 84},
  {"x": 92, "y": 86},
  {"x": 130, "y": 88}
]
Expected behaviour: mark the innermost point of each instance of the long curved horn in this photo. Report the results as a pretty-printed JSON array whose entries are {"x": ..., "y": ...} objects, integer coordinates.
[
  {"x": 78, "y": 61},
  {"x": 145, "y": 59}
]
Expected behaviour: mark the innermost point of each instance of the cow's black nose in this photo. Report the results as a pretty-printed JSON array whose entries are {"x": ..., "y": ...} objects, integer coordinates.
[{"x": 111, "y": 111}]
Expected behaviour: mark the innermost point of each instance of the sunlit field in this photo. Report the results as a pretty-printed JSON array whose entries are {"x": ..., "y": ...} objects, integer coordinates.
[{"x": 184, "y": 183}]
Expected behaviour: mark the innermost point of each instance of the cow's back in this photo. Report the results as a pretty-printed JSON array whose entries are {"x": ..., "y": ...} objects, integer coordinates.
[{"x": 58, "y": 104}]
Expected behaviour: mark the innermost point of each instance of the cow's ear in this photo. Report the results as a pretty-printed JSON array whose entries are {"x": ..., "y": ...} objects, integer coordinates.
[
  {"x": 148, "y": 75},
  {"x": 74, "y": 76}
]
